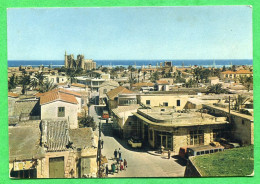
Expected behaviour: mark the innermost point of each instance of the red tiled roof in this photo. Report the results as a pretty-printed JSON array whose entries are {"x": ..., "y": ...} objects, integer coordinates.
[
  {"x": 244, "y": 72},
  {"x": 237, "y": 72},
  {"x": 14, "y": 95},
  {"x": 58, "y": 90},
  {"x": 113, "y": 93},
  {"x": 57, "y": 96}
]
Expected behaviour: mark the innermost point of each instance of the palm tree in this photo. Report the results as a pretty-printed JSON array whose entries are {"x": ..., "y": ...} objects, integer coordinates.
[
  {"x": 47, "y": 86},
  {"x": 12, "y": 83},
  {"x": 39, "y": 76},
  {"x": 240, "y": 100},
  {"x": 24, "y": 81},
  {"x": 196, "y": 74},
  {"x": 217, "y": 89},
  {"x": 34, "y": 83}
]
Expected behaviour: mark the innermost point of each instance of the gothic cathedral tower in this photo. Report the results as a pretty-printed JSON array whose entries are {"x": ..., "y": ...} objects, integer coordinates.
[{"x": 66, "y": 60}]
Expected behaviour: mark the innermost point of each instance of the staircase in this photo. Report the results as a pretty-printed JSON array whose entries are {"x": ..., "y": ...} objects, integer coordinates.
[{"x": 69, "y": 166}]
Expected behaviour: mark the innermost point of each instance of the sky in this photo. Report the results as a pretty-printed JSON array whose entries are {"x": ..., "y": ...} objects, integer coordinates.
[{"x": 130, "y": 33}]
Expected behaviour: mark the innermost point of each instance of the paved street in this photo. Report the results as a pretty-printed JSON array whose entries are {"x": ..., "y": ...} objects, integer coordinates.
[{"x": 140, "y": 162}]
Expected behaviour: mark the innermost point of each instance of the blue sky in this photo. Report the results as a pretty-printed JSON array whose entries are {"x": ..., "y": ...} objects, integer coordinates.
[{"x": 211, "y": 32}]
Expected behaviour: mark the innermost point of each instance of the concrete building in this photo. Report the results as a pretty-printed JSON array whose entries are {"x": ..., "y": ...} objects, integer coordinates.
[
  {"x": 213, "y": 80},
  {"x": 231, "y": 75},
  {"x": 92, "y": 82},
  {"x": 123, "y": 120},
  {"x": 242, "y": 125},
  {"x": 80, "y": 62},
  {"x": 105, "y": 88},
  {"x": 49, "y": 149},
  {"x": 173, "y": 101},
  {"x": 143, "y": 86},
  {"x": 161, "y": 85},
  {"x": 60, "y": 104},
  {"x": 172, "y": 130},
  {"x": 113, "y": 96},
  {"x": 55, "y": 79}
]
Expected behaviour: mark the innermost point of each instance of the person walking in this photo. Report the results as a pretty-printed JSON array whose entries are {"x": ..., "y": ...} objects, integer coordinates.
[
  {"x": 121, "y": 165},
  {"x": 125, "y": 164},
  {"x": 107, "y": 169},
  {"x": 102, "y": 143},
  {"x": 169, "y": 154},
  {"x": 119, "y": 154},
  {"x": 115, "y": 154}
]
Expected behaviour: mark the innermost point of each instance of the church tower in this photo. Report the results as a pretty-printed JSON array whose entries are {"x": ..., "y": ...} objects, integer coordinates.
[{"x": 66, "y": 60}]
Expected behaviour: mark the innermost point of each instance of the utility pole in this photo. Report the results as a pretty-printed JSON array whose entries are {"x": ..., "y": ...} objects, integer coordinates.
[
  {"x": 99, "y": 150},
  {"x": 229, "y": 109}
]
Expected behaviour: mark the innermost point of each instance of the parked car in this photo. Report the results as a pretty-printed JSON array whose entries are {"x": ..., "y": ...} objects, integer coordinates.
[
  {"x": 135, "y": 142},
  {"x": 183, "y": 151},
  {"x": 227, "y": 144}
]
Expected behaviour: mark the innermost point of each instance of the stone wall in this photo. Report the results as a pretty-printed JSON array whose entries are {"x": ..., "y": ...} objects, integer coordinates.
[
  {"x": 31, "y": 107},
  {"x": 242, "y": 126},
  {"x": 191, "y": 170}
]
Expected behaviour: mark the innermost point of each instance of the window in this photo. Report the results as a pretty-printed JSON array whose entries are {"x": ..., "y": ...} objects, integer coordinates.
[
  {"x": 61, "y": 111},
  {"x": 243, "y": 122},
  {"x": 178, "y": 103},
  {"x": 148, "y": 102},
  {"x": 165, "y": 103},
  {"x": 105, "y": 91},
  {"x": 226, "y": 75},
  {"x": 197, "y": 137},
  {"x": 129, "y": 123}
]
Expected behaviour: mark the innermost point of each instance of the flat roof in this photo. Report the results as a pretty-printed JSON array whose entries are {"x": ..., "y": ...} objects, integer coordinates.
[
  {"x": 251, "y": 118},
  {"x": 179, "y": 119}
]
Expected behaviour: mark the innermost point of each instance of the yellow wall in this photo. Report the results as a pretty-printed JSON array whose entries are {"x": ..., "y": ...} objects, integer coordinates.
[{"x": 156, "y": 101}]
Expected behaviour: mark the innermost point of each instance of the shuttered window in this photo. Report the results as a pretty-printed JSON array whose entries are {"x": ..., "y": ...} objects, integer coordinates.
[{"x": 61, "y": 111}]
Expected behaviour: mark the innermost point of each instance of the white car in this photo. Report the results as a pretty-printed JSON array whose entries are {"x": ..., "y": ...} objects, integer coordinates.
[{"x": 134, "y": 142}]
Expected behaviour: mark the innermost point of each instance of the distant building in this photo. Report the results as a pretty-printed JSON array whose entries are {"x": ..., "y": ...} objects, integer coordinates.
[
  {"x": 231, "y": 75},
  {"x": 80, "y": 62},
  {"x": 213, "y": 80},
  {"x": 113, "y": 96}
]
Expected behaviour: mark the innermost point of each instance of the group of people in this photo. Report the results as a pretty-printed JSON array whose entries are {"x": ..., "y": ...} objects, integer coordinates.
[{"x": 119, "y": 165}]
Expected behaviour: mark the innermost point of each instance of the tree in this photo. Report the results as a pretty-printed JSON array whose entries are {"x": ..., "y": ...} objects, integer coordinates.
[
  {"x": 34, "y": 83},
  {"x": 87, "y": 121},
  {"x": 39, "y": 76},
  {"x": 154, "y": 77},
  {"x": 104, "y": 69},
  {"x": 240, "y": 100},
  {"x": 24, "y": 81},
  {"x": 196, "y": 74},
  {"x": 233, "y": 68},
  {"x": 224, "y": 68},
  {"x": 12, "y": 83},
  {"x": 248, "y": 83},
  {"x": 217, "y": 89},
  {"x": 47, "y": 86},
  {"x": 190, "y": 83},
  {"x": 71, "y": 74}
]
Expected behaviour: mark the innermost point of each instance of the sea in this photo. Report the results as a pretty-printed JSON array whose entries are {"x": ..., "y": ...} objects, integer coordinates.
[{"x": 137, "y": 63}]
